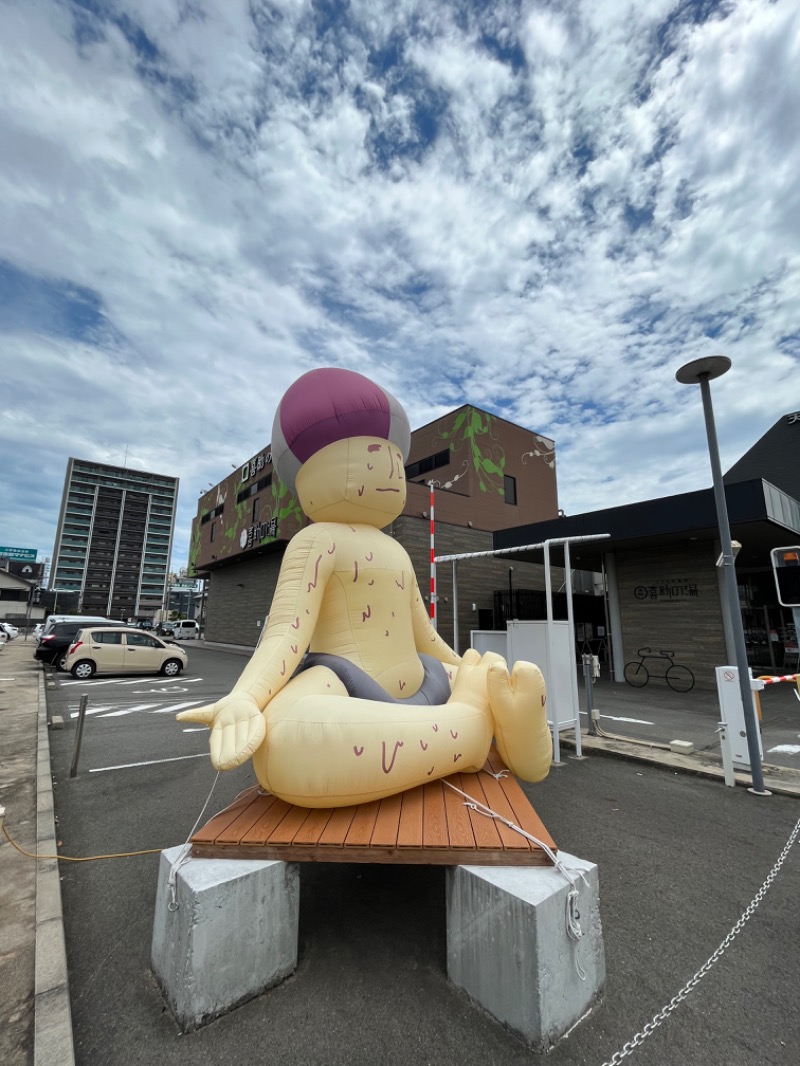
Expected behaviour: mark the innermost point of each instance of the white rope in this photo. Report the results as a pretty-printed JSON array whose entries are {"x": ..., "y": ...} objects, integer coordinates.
[
  {"x": 185, "y": 853},
  {"x": 573, "y": 914}
]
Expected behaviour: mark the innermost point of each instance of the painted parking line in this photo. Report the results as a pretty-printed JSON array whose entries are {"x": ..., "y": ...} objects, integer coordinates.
[
  {"x": 118, "y": 681},
  {"x": 615, "y": 718},
  {"x": 151, "y": 762},
  {"x": 785, "y": 749},
  {"x": 154, "y": 708}
]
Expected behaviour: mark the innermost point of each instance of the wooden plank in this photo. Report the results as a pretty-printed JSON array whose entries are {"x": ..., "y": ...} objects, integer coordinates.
[
  {"x": 524, "y": 811},
  {"x": 409, "y": 831},
  {"x": 257, "y": 831},
  {"x": 284, "y": 832},
  {"x": 459, "y": 827},
  {"x": 406, "y": 856},
  {"x": 360, "y": 831},
  {"x": 434, "y": 819},
  {"x": 496, "y": 801},
  {"x": 483, "y": 827},
  {"x": 253, "y": 816},
  {"x": 384, "y": 833},
  {"x": 223, "y": 818},
  {"x": 336, "y": 829},
  {"x": 313, "y": 827}
]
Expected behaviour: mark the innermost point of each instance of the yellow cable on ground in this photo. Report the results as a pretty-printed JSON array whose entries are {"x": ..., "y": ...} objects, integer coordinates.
[{"x": 69, "y": 858}]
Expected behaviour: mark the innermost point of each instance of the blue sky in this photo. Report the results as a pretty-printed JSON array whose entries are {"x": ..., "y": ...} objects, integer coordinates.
[{"x": 541, "y": 208}]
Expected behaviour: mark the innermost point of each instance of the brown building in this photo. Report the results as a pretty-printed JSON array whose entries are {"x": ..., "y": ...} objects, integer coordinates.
[{"x": 488, "y": 475}]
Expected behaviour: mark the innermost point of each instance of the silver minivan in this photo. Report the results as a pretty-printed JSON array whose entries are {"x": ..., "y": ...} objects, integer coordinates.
[{"x": 186, "y": 629}]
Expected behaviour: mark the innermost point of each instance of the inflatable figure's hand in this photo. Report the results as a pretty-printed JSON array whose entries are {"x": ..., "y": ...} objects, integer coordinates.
[{"x": 237, "y": 728}]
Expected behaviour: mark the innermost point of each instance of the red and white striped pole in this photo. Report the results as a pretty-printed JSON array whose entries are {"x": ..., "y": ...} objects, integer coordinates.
[{"x": 433, "y": 564}]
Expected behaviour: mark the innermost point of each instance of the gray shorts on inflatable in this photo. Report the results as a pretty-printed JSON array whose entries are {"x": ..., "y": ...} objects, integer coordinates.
[{"x": 435, "y": 687}]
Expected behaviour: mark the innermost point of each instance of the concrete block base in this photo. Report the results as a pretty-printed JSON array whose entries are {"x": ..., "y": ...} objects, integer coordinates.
[
  {"x": 508, "y": 947},
  {"x": 232, "y": 935}
]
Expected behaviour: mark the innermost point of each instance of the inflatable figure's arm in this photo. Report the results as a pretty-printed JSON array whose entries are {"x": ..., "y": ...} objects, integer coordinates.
[
  {"x": 426, "y": 639},
  {"x": 237, "y": 722}
]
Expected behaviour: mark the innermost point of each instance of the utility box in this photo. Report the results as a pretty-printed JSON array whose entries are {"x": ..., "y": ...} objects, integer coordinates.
[{"x": 732, "y": 712}]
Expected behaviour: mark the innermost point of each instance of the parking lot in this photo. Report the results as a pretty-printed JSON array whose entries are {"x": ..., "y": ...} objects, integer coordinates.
[{"x": 680, "y": 857}]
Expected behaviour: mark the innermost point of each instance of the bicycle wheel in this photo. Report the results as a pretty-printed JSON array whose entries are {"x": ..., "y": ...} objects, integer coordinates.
[
  {"x": 680, "y": 678},
  {"x": 636, "y": 674}
]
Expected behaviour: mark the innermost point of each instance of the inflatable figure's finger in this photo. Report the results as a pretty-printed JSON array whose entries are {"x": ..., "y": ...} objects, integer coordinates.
[
  {"x": 234, "y": 741},
  {"x": 203, "y": 715}
]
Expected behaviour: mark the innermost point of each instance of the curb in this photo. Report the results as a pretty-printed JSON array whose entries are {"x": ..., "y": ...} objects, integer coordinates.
[
  {"x": 779, "y": 780},
  {"x": 53, "y": 1043}
]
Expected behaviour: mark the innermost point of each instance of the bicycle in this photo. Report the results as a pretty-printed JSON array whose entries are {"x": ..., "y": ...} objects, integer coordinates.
[{"x": 679, "y": 677}]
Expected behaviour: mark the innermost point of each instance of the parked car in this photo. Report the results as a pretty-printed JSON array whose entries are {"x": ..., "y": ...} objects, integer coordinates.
[
  {"x": 165, "y": 629},
  {"x": 186, "y": 629},
  {"x": 122, "y": 650},
  {"x": 60, "y": 633},
  {"x": 9, "y": 630},
  {"x": 38, "y": 629},
  {"x": 146, "y": 624}
]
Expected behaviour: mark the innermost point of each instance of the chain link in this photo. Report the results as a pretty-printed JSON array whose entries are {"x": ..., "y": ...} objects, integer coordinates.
[{"x": 648, "y": 1029}]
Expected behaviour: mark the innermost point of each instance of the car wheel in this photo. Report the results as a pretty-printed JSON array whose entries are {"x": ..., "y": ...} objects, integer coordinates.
[
  {"x": 84, "y": 670},
  {"x": 61, "y": 661},
  {"x": 171, "y": 668}
]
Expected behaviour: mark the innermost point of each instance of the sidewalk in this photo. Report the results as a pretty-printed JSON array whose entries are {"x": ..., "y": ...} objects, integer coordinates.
[{"x": 36, "y": 1025}]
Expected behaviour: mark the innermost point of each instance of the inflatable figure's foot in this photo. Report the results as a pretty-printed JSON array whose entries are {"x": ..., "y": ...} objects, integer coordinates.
[
  {"x": 470, "y": 685},
  {"x": 521, "y": 732}
]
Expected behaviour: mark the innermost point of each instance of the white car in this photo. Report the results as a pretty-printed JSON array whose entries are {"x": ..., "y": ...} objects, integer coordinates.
[
  {"x": 9, "y": 630},
  {"x": 122, "y": 650}
]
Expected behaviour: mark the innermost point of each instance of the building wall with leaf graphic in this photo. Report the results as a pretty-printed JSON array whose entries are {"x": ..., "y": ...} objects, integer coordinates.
[{"x": 488, "y": 474}]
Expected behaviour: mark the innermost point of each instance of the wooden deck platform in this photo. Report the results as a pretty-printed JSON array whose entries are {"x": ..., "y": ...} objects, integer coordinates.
[{"x": 429, "y": 824}]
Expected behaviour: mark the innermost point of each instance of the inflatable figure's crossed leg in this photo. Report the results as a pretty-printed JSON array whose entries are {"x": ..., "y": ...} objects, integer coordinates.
[{"x": 324, "y": 748}]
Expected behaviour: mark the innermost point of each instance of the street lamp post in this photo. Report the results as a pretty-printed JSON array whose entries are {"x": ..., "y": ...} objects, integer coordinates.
[{"x": 701, "y": 372}]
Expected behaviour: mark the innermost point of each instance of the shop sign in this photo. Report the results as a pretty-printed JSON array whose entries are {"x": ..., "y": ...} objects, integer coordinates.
[
  {"x": 256, "y": 533},
  {"x": 28, "y": 554},
  {"x": 669, "y": 590},
  {"x": 794, "y": 418},
  {"x": 256, "y": 465}
]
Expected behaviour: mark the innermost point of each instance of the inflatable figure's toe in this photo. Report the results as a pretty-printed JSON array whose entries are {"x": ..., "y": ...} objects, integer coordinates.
[{"x": 521, "y": 732}]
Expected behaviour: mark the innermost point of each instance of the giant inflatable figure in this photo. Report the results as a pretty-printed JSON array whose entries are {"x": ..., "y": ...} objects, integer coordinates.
[{"x": 380, "y": 703}]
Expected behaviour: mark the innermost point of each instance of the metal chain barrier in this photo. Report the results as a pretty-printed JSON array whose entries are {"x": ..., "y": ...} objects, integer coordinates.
[{"x": 693, "y": 982}]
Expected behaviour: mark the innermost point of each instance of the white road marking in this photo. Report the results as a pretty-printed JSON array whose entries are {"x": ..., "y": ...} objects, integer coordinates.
[
  {"x": 178, "y": 707},
  {"x": 152, "y": 762},
  {"x": 786, "y": 749},
  {"x": 92, "y": 683},
  {"x": 614, "y": 718},
  {"x": 199, "y": 729}
]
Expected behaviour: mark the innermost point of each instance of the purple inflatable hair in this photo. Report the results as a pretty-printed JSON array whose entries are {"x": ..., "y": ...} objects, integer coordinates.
[{"x": 332, "y": 404}]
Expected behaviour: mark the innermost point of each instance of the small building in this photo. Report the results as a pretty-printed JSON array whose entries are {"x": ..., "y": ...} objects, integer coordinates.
[{"x": 664, "y": 598}]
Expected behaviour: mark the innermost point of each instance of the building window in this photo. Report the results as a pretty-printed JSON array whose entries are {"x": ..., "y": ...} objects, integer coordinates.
[
  {"x": 431, "y": 462},
  {"x": 255, "y": 510},
  {"x": 213, "y": 531},
  {"x": 510, "y": 485}
]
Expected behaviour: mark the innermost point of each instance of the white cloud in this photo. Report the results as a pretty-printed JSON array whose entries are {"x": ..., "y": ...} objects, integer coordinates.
[{"x": 542, "y": 211}]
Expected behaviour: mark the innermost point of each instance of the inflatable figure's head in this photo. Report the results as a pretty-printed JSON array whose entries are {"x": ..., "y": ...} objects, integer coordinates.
[{"x": 340, "y": 442}]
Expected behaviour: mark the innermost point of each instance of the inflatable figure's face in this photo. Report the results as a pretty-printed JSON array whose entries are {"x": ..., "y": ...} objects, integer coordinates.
[{"x": 357, "y": 480}]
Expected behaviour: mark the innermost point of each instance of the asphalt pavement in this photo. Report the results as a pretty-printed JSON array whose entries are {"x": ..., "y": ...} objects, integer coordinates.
[{"x": 680, "y": 856}]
